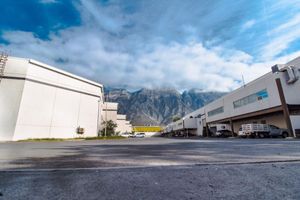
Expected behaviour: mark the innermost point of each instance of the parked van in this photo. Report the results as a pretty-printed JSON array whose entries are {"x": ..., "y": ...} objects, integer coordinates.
[{"x": 220, "y": 130}]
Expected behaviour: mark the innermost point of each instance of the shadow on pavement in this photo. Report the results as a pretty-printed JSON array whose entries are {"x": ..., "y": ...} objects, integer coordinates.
[{"x": 169, "y": 152}]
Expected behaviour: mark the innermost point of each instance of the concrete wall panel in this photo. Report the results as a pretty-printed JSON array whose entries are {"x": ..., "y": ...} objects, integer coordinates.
[
  {"x": 10, "y": 99},
  {"x": 37, "y": 105},
  {"x": 31, "y": 131},
  {"x": 88, "y": 115}
]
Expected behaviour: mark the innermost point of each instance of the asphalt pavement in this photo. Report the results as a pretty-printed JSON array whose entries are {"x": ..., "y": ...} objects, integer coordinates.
[{"x": 151, "y": 168}]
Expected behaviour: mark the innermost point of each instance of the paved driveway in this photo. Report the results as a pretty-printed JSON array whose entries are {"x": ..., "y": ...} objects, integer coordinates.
[
  {"x": 144, "y": 152},
  {"x": 154, "y": 168}
]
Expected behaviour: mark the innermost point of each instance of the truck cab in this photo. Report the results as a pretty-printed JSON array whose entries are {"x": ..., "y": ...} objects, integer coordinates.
[{"x": 276, "y": 131}]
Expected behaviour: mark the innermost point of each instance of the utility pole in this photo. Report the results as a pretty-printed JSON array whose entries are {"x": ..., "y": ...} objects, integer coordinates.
[
  {"x": 98, "y": 125},
  {"x": 105, "y": 130}
]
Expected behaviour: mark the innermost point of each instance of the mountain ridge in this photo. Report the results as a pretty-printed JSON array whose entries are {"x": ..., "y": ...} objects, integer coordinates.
[{"x": 158, "y": 106}]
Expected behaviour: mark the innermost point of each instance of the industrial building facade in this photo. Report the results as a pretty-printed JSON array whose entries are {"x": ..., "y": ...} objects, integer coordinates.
[
  {"x": 40, "y": 101},
  {"x": 271, "y": 99},
  {"x": 110, "y": 112}
]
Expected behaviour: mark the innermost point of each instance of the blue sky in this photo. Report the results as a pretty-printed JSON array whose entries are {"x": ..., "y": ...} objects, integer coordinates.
[{"x": 150, "y": 43}]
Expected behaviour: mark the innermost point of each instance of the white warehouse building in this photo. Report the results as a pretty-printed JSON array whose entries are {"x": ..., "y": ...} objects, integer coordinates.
[
  {"x": 123, "y": 125},
  {"x": 40, "y": 101},
  {"x": 110, "y": 112},
  {"x": 271, "y": 99}
]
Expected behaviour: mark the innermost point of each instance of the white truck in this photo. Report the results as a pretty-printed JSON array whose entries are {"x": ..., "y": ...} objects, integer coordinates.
[
  {"x": 264, "y": 130},
  {"x": 220, "y": 130},
  {"x": 241, "y": 133}
]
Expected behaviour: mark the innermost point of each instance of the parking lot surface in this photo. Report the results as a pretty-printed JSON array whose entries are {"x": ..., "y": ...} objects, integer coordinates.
[{"x": 151, "y": 168}]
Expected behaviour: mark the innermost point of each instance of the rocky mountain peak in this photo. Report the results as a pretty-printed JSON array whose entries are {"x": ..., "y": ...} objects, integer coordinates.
[{"x": 159, "y": 106}]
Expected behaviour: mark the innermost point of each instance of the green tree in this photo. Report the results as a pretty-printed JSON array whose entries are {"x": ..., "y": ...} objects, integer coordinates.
[
  {"x": 175, "y": 118},
  {"x": 110, "y": 128}
]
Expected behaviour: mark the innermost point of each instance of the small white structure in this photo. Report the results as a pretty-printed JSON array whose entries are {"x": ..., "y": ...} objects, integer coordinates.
[
  {"x": 110, "y": 112},
  {"x": 124, "y": 126},
  {"x": 40, "y": 101}
]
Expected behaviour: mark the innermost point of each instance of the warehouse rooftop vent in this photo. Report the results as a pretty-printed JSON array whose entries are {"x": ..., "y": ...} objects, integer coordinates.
[{"x": 292, "y": 72}]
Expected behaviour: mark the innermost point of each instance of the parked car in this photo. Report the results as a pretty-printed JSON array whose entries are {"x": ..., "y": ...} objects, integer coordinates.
[
  {"x": 126, "y": 134},
  {"x": 131, "y": 135},
  {"x": 264, "y": 130},
  {"x": 140, "y": 135}
]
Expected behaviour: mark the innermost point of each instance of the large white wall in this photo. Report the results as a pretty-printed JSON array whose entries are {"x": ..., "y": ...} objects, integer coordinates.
[
  {"x": 49, "y": 112},
  {"x": 265, "y": 82},
  {"x": 49, "y": 103}
]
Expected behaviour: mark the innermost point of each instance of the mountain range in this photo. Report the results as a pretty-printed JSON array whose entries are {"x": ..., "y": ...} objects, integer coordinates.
[{"x": 158, "y": 106}]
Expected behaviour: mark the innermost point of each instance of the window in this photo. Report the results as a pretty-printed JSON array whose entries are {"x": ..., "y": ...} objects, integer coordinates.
[
  {"x": 263, "y": 94},
  {"x": 273, "y": 127},
  {"x": 216, "y": 111}
]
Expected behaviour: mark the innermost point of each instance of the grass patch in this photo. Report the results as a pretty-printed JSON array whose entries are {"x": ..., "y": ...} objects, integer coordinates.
[
  {"x": 43, "y": 140},
  {"x": 70, "y": 139},
  {"x": 105, "y": 138}
]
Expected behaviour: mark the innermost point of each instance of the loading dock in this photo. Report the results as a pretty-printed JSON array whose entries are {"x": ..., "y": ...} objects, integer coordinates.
[{"x": 272, "y": 99}]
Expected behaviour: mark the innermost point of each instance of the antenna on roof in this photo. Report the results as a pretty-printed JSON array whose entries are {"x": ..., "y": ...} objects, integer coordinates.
[{"x": 243, "y": 80}]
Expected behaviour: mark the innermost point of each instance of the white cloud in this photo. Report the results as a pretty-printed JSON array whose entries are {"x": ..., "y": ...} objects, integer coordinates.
[
  {"x": 173, "y": 65},
  {"x": 91, "y": 9},
  {"x": 281, "y": 37},
  {"x": 248, "y": 24},
  {"x": 91, "y": 50}
]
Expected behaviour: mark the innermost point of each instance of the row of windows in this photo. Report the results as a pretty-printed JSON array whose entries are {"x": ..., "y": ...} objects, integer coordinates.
[
  {"x": 263, "y": 94},
  {"x": 216, "y": 111}
]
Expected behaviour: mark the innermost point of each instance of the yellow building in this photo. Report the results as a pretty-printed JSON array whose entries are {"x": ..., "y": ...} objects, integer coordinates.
[{"x": 148, "y": 130}]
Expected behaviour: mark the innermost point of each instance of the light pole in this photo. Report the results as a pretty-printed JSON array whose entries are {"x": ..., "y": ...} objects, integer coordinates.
[
  {"x": 107, "y": 100},
  {"x": 105, "y": 128}
]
